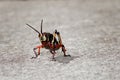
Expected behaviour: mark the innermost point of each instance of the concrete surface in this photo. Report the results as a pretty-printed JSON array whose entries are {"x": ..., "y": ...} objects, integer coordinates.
[{"x": 90, "y": 30}]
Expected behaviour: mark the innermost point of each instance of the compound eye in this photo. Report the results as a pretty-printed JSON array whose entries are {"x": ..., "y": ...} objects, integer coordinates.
[{"x": 40, "y": 35}]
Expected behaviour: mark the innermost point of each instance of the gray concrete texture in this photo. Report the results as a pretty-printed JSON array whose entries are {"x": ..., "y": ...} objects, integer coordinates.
[{"x": 90, "y": 30}]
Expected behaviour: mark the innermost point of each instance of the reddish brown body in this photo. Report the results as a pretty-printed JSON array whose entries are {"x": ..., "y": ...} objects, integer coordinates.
[{"x": 50, "y": 46}]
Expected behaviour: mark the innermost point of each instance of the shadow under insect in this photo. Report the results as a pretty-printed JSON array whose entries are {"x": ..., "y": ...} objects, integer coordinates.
[{"x": 62, "y": 59}]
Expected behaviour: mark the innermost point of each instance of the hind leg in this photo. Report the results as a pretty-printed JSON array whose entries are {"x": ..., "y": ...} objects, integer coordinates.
[{"x": 64, "y": 51}]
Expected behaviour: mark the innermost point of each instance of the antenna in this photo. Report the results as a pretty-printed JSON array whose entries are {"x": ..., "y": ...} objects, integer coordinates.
[
  {"x": 41, "y": 25},
  {"x": 33, "y": 28}
]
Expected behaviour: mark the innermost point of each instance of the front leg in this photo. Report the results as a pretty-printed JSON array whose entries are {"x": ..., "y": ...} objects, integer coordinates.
[
  {"x": 34, "y": 49},
  {"x": 36, "y": 55}
]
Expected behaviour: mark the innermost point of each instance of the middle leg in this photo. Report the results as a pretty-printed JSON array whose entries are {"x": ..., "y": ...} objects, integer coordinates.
[{"x": 53, "y": 54}]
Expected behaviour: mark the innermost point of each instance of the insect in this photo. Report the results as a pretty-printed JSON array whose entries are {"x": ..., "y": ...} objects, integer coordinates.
[{"x": 49, "y": 41}]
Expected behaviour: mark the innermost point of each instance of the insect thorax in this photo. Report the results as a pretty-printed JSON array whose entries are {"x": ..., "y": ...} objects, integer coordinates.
[{"x": 48, "y": 37}]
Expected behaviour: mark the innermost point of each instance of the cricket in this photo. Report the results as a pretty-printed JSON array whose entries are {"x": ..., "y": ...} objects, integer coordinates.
[{"x": 50, "y": 41}]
